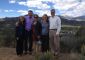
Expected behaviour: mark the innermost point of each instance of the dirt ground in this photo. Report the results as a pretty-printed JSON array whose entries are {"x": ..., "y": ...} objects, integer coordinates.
[{"x": 10, "y": 54}]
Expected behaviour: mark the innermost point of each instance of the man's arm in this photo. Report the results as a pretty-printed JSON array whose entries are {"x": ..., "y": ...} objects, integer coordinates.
[{"x": 58, "y": 26}]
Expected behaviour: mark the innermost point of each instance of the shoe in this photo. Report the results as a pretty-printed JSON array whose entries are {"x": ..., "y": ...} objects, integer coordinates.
[
  {"x": 56, "y": 54},
  {"x": 19, "y": 55},
  {"x": 30, "y": 53},
  {"x": 25, "y": 53}
]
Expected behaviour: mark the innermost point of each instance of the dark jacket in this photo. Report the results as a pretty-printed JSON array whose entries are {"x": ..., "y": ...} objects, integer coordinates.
[
  {"x": 20, "y": 30},
  {"x": 37, "y": 28}
]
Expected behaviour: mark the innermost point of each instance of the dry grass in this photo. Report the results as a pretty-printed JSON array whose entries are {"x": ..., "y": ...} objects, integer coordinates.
[{"x": 10, "y": 54}]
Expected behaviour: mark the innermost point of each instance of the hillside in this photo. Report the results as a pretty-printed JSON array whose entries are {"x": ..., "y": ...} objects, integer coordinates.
[
  {"x": 71, "y": 39},
  {"x": 74, "y": 22}
]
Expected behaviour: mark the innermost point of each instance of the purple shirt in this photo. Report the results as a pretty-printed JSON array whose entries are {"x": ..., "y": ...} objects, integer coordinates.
[{"x": 28, "y": 23}]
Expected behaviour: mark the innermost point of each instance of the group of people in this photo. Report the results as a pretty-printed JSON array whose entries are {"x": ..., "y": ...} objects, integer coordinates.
[{"x": 45, "y": 32}]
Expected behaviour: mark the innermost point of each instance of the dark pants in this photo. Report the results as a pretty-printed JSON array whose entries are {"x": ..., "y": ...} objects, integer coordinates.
[
  {"x": 44, "y": 43},
  {"x": 28, "y": 40},
  {"x": 19, "y": 45}
]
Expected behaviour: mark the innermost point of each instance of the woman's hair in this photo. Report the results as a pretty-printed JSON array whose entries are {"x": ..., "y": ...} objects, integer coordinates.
[
  {"x": 35, "y": 15},
  {"x": 19, "y": 20},
  {"x": 46, "y": 16}
]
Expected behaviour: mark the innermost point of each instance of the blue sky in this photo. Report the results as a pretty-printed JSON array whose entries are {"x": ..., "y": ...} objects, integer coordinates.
[{"x": 13, "y": 8}]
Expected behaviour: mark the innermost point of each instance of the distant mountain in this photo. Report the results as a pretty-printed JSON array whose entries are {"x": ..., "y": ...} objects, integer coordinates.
[
  {"x": 65, "y": 21},
  {"x": 1, "y": 19},
  {"x": 72, "y": 21},
  {"x": 67, "y": 17},
  {"x": 80, "y": 18}
]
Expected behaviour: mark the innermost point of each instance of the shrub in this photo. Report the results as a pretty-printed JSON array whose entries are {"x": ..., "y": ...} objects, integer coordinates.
[
  {"x": 83, "y": 49},
  {"x": 44, "y": 56}
]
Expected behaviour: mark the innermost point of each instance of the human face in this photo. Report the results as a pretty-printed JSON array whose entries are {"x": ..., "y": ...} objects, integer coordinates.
[
  {"x": 30, "y": 14},
  {"x": 52, "y": 13},
  {"x": 21, "y": 19},
  {"x": 44, "y": 17},
  {"x": 35, "y": 17}
]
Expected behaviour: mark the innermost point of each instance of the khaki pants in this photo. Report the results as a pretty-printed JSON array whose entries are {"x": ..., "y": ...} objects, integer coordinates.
[{"x": 54, "y": 41}]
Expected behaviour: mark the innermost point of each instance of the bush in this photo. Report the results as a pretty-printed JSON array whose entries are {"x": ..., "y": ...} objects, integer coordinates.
[
  {"x": 44, "y": 56},
  {"x": 83, "y": 49},
  {"x": 82, "y": 57},
  {"x": 7, "y": 38},
  {"x": 73, "y": 42}
]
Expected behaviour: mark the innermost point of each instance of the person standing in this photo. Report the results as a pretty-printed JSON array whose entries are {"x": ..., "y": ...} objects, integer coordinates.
[
  {"x": 28, "y": 33},
  {"x": 54, "y": 31},
  {"x": 20, "y": 35},
  {"x": 36, "y": 32},
  {"x": 45, "y": 34}
]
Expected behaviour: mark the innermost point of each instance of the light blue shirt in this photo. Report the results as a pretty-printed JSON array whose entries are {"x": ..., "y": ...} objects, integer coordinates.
[{"x": 45, "y": 27}]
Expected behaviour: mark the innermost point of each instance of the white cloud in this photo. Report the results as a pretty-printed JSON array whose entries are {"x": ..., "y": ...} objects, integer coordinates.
[
  {"x": 66, "y": 7},
  {"x": 41, "y": 0},
  {"x": 12, "y": 1},
  {"x": 22, "y": 3},
  {"x": 77, "y": 11},
  {"x": 11, "y": 10},
  {"x": 8, "y": 10},
  {"x": 76, "y": 6},
  {"x": 41, "y": 12},
  {"x": 22, "y": 12},
  {"x": 36, "y": 4}
]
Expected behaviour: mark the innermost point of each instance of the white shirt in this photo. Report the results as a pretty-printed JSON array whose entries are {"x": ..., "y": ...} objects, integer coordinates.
[{"x": 55, "y": 23}]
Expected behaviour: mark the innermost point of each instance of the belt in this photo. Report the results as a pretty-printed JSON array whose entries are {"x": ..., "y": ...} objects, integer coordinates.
[{"x": 52, "y": 29}]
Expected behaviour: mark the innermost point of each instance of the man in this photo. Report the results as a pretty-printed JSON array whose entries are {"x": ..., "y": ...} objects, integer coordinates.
[
  {"x": 54, "y": 30},
  {"x": 28, "y": 33}
]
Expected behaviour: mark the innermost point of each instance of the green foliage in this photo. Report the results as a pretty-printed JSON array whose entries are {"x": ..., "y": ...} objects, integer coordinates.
[
  {"x": 82, "y": 57},
  {"x": 44, "y": 56},
  {"x": 68, "y": 41},
  {"x": 73, "y": 41},
  {"x": 7, "y": 38},
  {"x": 83, "y": 49},
  {"x": 81, "y": 34}
]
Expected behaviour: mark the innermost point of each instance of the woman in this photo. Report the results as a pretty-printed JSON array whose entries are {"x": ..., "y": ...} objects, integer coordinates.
[
  {"x": 45, "y": 34},
  {"x": 20, "y": 33},
  {"x": 36, "y": 30}
]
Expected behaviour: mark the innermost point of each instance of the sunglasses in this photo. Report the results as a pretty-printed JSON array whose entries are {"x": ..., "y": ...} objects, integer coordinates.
[{"x": 35, "y": 17}]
